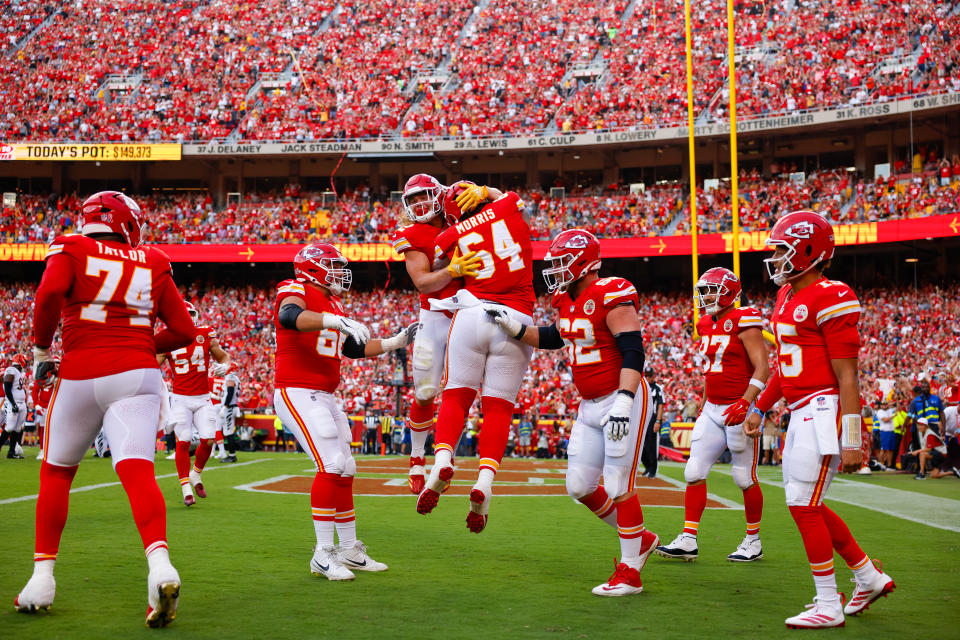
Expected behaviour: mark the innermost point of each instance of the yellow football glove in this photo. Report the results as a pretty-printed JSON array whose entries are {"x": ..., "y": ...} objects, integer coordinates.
[
  {"x": 467, "y": 265},
  {"x": 471, "y": 197}
]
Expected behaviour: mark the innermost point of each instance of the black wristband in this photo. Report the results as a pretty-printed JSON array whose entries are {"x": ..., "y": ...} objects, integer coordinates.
[
  {"x": 627, "y": 393},
  {"x": 523, "y": 330}
]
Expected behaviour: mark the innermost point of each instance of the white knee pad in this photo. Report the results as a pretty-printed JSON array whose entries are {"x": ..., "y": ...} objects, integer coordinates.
[
  {"x": 581, "y": 481},
  {"x": 616, "y": 480},
  {"x": 350, "y": 467},
  {"x": 425, "y": 390},
  {"x": 741, "y": 476},
  {"x": 696, "y": 469},
  {"x": 336, "y": 463}
]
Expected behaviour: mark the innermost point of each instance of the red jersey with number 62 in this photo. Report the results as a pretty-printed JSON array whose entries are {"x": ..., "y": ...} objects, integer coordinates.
[
  {"x": 189, "y": 364},
  {"x": 727, "y": 368},
  {"x": 114, "y": 294},
  {"x": 501, "y": 238},
  {"x": 814, "y": 326},
  {"x": 307, "y": 359},
  {"x": 422, "y": 237},
  {"x": 595, "y": 358}
]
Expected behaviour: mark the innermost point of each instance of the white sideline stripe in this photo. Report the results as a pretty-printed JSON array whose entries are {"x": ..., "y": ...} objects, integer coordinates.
[
  {"x": 939, "y": 513},
  {"x": 730, "y": 504},
  {"x": 91, "y": 487}
]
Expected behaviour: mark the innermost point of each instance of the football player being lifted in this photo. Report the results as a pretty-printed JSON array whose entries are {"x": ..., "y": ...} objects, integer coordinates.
[
  {"x": 736, "y": 368},
  {"x": 815, "y": 321},
  {"x": 479, "y": 356},
  {"x": 423, "y": 220},
  {"x": 312, "y": 336},
  {"x": 598, "y": 319}
]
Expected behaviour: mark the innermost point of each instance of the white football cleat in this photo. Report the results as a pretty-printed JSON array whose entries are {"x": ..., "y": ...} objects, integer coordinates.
[
  {"x": 748, "y": 551},
  {"x": 325, "y": 562},
  {"x": 864, "y": 595},
  {"x": 437, "y": 483},
  {"x": 163, "y": 595},
  {"x": 683, "y": 547},
  {"x": 625, "y": 581},
  {"x": 357, "y": 559},
  {"x": 819, "y": 615},
  {"x": 40, "y": 455},
  {"x": 37, "y": 594}
]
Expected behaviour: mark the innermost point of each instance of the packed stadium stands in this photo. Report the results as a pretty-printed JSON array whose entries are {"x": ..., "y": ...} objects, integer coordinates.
[
  {"x": 189, "y": 70},
  {"x": 906, "y": 333}
]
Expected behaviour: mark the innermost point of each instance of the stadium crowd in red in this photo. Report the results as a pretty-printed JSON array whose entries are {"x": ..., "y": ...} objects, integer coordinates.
[
  {"x": 907, "y": 336},
  {"x": 194, "y": 70}
]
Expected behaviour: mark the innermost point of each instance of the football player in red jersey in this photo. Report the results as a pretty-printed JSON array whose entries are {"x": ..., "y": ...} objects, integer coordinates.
[
  {"x": 815, "y": 321},
  {"x": 598, "y": 319},
  {"x": 312, "y": 336},
  {"x": 190, "y": 399},
  {"x": 479, "y": 356},
  {"x": 415, "y": 240},
  {"x": 110, "y": 291},
  {"x": 735, "y": 372}
]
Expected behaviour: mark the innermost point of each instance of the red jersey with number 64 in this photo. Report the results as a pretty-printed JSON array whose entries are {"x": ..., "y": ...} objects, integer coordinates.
[
  {"x": 595, "y": 358},
  {"x": 307, "y": 359},
  {"x": 727, "y": 369},
  {"x": 189, "y": 364},
  {"x": 501, "y": 238}
]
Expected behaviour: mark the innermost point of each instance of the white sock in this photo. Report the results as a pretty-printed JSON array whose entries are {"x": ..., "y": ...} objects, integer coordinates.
[
  {"x": 630, "y": 551},
  {"x": 324, "y": 531},
  {"x": 826, "y": 587},
  {"x": 753, "y": 536},
  {"x": 187, "y": 490},
  {"x": 159, "y": 557},
  {"x": 347, "y": 533},
  {"x": 485, "y": 480},
  {"x": 443, "y": 459},
  {"x": 418, "y": 443},
  {"x": 43, "y": 567},
  {"x": 866, "y": 573},
  {"x": 194, "y": 476}
]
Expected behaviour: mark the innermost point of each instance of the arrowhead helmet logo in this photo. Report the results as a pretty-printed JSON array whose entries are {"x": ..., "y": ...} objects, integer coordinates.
[
  {"x": 576, "y": 242},
  {"x": 802, "y": 230}
]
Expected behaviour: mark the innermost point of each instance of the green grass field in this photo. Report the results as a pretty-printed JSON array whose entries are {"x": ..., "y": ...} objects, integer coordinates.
[{"x": 243, "y": 559}]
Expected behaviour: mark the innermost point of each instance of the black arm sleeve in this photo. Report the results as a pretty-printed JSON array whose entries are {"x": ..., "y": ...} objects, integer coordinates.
[
  {"x": 353, "y": 349},
  {"x": 630, "y": 344},
  {"x": 288, "y": 315},
  {"x": 228, "y": 400},
  {"x": 550, "y": 337},
  {"x": 8, "y": 390}
]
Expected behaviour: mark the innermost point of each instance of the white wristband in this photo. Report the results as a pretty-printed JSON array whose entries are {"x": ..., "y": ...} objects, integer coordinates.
[
  {"x": 758, "y": 384},
  {"x": 392, "y": 343},
  {"x": 850, "y": 432}
]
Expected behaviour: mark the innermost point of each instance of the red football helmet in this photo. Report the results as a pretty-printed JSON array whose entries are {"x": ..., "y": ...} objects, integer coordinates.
[
  {"x": 807, "y": 239},
  {"x": 717, "y": 289},
  {"x": 418, "y": 208},
  {"x": 322, "y": 264},
  {"x": 450, "y": 207},
  {"x": 573, "y": 254},
  {"x": 111, "y": 212},
  {"x": 19, "y": 360},
  {"x": 192, "y": 310}
]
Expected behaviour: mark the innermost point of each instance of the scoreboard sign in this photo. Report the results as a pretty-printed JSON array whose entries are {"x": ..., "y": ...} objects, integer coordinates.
[{"x": 72, "y": 152}]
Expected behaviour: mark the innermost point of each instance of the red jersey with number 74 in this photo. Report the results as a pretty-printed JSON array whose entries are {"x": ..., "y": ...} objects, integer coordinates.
[
  {"x": 594, "y": 356},
  {"x": 501, "y": 238},
  {"x": 727, "y": 369},
  {"x": 189, "y": 364},
  {"x": 307, "y": 359}
]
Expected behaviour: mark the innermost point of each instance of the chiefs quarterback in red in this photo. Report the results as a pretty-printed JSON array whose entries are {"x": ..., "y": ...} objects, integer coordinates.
[
  {"x": 109, "y": 290},
  {"x": 598, "y": 319},
  {"x": 312, "y": 336},
  {"x": 415, "y": 240},
  {"x": 190, "y": 399},
  {"x": 736, "y": 369},
  {"x": 479, "y": 356},
  {"x": 815, "y": 322}
]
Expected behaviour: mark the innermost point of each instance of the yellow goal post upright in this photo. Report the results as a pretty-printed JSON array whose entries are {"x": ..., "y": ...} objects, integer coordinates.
[
  {"x": 734, "y": 194},
  {"x": 693, "y": 163}
]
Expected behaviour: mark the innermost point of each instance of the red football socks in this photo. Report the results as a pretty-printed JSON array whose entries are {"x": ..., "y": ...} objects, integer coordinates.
[
  {"x": 601, "y": 505},
  {"x": 497, "y": 413},
  {"x": 146, "y": 501},
  {"x": 323, "y": 503},
  {"x": 202, "y": 454},
  {"x": 421, "y": 417},
  {"x": 454, "y": 406},
  {"x": 182, "y": 458},
  {"x": 753, "y": 508},
  {"x": 52, "y": 505},
  {"x": 694, "y": 502},
  {"x": 843, "y": 541}
]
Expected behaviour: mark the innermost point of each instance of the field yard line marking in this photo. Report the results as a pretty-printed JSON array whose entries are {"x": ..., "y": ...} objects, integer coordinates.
[
  {"x": 91, "y": 487},
  {"x": 730, "y": 504},
  {"x": 396, "y": 482},
  {"x": 252, "y": 486},
  {"x": 535, "y": 481},
  {"x": 939, "y": 513}
]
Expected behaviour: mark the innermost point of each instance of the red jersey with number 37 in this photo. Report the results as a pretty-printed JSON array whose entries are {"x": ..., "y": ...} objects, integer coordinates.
[
  {"x": 189, "y": 364},
  {"x": 594, "y": 356},
  {"x": 114, "y": 294},
  {"x": 422, "y": 237},
  {"x": 307, "y": 359},
  {"x": 727, "y": 369},
  {"x": 501, "y": 238},
  {"x": 814, "y": 326}
]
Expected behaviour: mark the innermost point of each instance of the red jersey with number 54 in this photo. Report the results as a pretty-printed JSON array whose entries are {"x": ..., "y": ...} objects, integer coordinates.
[
  {"x": 189, "y": 364},
  {"x": 307, "y": 359},
  {"x": 814, "y": 326},
  {"x": 113, "y": 295},
  {"x": 594, "y": 356},
  {"x": 422, "y": 237},
  {"x": 501, "y": 238},
  {"x": 727, "y": 369}
]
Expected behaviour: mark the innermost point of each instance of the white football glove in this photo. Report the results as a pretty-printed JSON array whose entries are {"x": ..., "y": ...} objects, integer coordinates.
[
  {"x": 402, "y": 339},
  {"x": 356, "y": 330},
  {"x": 513, "y": 328},
  {"x": 219, "y": 369},
  {"x": 223, "y": 411},
  {"x": 619, "y": 416}
]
